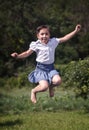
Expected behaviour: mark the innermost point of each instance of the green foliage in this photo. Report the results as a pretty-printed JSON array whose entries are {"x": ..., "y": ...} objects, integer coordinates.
[
  {"x": 65, "y": 53},
  {"x": 22, "y": 80},
  {"x": 19, "y": 79},
  {"x": 16, "y": 82},
  {"x": 2, "y": 82},
  {"x": 76, "y": 74},
  {"x": 11, "y": 83}
]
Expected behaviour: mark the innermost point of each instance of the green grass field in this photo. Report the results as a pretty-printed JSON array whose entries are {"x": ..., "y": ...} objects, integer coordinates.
[
  {"x": 62, "y": 120},
  {"x": 62, "y": 112}
]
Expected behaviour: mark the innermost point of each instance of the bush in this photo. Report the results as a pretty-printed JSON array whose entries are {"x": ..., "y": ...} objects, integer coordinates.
[
  {"x": 76, "y": 74},
  {"x": 11, "y": 83},
  {"x": 19, "y": 80},
  {"x": 2, "y": 82},
  {"x": 22, "y": 80}
]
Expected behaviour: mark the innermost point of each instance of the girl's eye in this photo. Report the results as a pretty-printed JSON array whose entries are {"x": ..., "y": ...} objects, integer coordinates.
[{"x": 44, "y": 33}]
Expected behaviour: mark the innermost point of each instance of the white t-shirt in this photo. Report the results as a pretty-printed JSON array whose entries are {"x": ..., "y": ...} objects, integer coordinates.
[{"x": 45, "y": 52}]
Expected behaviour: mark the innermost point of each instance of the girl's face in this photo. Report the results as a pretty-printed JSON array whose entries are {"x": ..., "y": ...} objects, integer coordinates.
[{"x": 44, "y": 35}]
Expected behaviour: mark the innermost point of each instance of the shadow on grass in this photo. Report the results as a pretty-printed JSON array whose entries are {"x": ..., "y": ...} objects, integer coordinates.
[{"x": 11, "y": 123}]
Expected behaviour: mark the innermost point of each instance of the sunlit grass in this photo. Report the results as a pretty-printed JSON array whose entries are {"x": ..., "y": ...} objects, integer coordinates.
[
  {"x": 62, "y": 112},
  {"x": 17, "y": 101},
  {"x": 62, "y": 120}
]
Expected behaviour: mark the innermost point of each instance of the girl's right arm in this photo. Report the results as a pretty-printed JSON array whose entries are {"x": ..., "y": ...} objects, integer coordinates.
[{"x": 23, "y": 54}]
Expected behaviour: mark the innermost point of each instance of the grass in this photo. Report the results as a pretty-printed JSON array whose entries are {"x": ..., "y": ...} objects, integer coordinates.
[
  {"x": 62, "y": 120},
  {"x": 62, "y": 112}
]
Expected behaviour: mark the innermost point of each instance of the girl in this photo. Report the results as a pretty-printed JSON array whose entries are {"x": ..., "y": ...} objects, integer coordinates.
[{"x": 45, "y": 74}]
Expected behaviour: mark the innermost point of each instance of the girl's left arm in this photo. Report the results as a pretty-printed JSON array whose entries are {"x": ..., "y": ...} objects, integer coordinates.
[{"x": 70, "y": 35}]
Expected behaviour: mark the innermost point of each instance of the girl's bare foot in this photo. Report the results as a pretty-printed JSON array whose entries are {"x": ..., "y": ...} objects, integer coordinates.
[
  {"x": 33, "y": 97},
  {"x": 51, "y": 91}
]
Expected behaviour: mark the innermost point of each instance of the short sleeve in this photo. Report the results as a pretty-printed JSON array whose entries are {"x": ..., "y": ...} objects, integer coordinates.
[
  {"x": 55, "y": 42},
  {"x": 58, "y": 40},
  {"x": 32, "y": 46}
]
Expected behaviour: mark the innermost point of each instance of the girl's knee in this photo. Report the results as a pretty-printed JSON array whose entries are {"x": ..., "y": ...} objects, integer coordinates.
[
  {"x": 57, "y": 80},
  {"x": 60, "y": 80}
]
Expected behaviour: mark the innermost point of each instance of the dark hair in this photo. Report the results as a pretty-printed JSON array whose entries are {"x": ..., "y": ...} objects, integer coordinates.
[{"x": 41, "y": 27}]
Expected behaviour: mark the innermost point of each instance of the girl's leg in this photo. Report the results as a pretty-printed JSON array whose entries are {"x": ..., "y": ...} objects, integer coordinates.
[
  {"x": 43, "y": 86},
  {"x": 56, "y": 80}
]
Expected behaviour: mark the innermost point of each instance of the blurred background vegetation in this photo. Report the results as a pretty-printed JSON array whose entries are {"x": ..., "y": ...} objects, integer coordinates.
[{"x": 19, "y": 20}]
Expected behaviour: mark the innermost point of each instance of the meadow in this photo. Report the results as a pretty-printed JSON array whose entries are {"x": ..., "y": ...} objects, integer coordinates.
[
  {"x": 62, "y": 120},
  {"x": 62, "y": 112}
]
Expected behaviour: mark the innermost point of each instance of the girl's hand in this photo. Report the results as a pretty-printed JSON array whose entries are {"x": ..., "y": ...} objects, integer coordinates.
[
  {"x": 78, "y": 28},
  {"x": 15, "y": 55}
]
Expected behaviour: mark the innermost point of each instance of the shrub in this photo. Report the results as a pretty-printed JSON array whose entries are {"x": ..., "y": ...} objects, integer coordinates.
[
  {"x": 22, "y": 80},
  {"x": 76, "y": 74},
  {"x": 11, "y": 83},
  {"x": 2, "y": 82},
  {"x": 19, "y": 79}
]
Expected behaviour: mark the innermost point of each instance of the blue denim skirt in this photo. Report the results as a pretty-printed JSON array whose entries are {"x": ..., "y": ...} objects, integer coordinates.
[{"x": 42, "y": 72}]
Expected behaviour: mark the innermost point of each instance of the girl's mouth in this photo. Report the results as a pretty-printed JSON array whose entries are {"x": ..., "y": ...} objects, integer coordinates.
[{"x": 44, "y": 40}]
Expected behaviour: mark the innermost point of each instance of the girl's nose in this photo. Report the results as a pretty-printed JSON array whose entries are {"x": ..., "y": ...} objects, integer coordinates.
[{"x": 44, "y": 35}]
